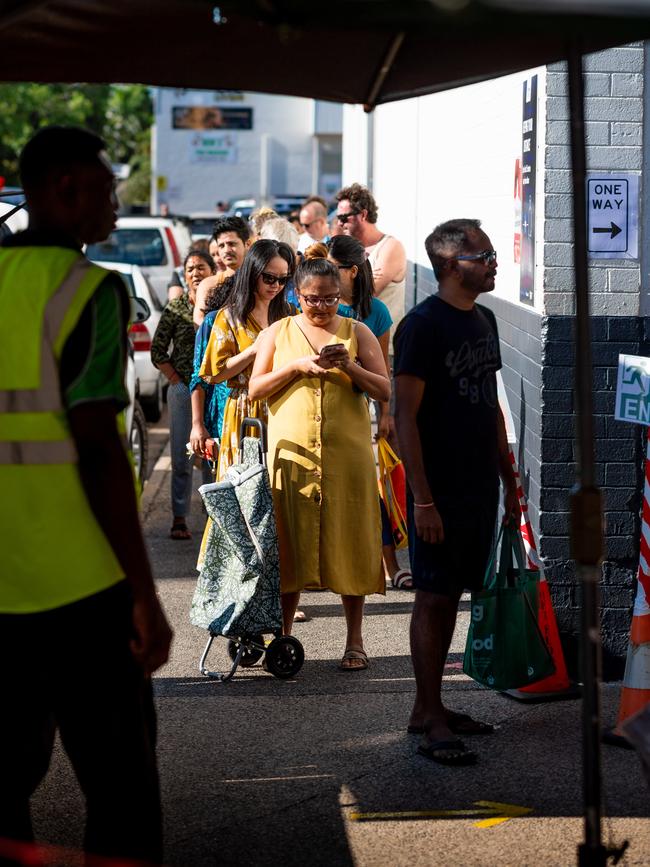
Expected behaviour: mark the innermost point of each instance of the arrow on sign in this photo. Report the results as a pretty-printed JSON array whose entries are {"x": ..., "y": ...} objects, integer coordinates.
[
  {"x": 612, "y": 230},
  {"x": 499, "y": 813}
]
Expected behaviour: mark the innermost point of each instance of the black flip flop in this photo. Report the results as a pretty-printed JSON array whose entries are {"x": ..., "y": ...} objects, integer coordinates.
[
  {"x": 462, "y": 724},
  {"x": 450, "y": 752}
]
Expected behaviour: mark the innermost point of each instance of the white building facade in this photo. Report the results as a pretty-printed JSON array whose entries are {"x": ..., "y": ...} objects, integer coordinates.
[{"x": 210, "y": 146}]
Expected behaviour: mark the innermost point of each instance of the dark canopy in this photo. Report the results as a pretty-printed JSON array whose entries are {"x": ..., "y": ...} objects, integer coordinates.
[{"x": 329, "y": 50}]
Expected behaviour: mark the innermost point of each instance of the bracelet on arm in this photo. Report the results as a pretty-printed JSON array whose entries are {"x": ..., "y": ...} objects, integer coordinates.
[{"x": 424, "y": 505}]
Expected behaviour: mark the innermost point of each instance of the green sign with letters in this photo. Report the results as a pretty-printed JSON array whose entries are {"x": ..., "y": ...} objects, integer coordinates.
[{"x": 633, "y": 389}]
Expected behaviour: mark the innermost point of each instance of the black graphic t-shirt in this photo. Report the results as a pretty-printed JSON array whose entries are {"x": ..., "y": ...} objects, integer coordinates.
[{"x": 456, "y": 353}]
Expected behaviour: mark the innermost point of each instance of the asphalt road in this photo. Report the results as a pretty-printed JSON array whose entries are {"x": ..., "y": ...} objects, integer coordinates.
[{"x": 319, "y": 770}]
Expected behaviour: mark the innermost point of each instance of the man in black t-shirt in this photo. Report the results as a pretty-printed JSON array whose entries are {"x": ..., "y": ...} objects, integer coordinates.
[{"x": 453, "y": 442}]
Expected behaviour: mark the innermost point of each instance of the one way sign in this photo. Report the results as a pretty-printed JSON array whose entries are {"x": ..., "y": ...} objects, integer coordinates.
[{"x": 613, "y": 215}]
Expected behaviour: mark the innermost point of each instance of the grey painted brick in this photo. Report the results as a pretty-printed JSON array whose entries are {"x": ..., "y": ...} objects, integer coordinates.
[
  {"x": 556, "y": 229},
  {"x": 557, "y": 157},
  {"x": 614, "y": 158},
  {"x": 615, "y": 303},
  {"x": 563, "y": 280},
  {"x": 627, "y": 84},
  {"x": 630, "y": 134},
  {"x": 560, "y": 303},
  {"x": 558, "y": 132},
  {"x": 610, "y": 109},
  {"x": 558, "y": 205},
  {"x": 624, "y": 475},
  {"x": 623, "y": 279},
  {"x": 558, "y": 254},
  {"x": 615, "y": 60},
  {"x": 595, "y": 84},
  {"x": 557, "y": 181}
]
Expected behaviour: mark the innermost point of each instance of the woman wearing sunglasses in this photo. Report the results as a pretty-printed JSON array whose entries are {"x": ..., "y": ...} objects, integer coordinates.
[
  {"x": 314, "y": 369},
  {"x": 256, "y": 301}
]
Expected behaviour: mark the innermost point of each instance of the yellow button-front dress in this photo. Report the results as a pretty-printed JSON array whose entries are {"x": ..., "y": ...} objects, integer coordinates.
[{"x": 323, "y": 475}]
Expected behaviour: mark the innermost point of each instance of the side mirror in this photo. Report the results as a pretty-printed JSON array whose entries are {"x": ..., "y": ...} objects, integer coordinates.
[{"x": 140, "y": 310}]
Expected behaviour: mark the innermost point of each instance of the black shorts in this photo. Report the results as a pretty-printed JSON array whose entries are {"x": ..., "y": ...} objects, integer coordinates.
[{"x": 459, "y": 562}]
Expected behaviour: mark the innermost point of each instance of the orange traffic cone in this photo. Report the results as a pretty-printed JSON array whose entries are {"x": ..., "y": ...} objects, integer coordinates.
[
  {"x": 636, "y": 681},
  {"x": 635, "y": 695},
  {"x": 557, "y": 685}
]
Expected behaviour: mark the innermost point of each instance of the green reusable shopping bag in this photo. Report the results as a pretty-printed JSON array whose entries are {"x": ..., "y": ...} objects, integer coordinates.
[{"x": 505, "y": 648}]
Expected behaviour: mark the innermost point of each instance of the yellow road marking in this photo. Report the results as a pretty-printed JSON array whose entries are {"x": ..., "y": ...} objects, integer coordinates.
[{"x": 499, "y": 813}]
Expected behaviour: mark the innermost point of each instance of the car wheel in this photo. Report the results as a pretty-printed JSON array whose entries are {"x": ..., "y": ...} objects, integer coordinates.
[
  {"x": 153, "y": 405},
  {"x": 139, "y": 442}
]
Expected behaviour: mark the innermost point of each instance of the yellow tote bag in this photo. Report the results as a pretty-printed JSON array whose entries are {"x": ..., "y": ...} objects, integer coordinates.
[{"x": 392, "y": 488}]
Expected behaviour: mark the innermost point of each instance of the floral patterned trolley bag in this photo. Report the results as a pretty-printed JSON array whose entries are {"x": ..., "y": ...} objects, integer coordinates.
[{"x": 237, "y": 594}]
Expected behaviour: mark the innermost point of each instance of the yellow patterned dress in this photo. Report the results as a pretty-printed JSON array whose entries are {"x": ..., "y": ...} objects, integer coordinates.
[
  {"x": 323, "y": 475},
  {"x": 229, "y": 338}
]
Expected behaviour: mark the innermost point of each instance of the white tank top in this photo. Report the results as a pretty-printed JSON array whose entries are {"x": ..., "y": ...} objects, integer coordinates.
[{"x": 393, "y": 295}]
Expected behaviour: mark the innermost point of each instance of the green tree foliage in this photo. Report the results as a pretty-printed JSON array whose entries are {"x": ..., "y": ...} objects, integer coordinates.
[{"x": 121, "y": 114}]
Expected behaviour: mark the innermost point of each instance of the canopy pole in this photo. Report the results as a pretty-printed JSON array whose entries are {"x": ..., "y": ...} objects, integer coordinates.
[
  {"x": 586, "y": 500},
  {"x": 384, "y": 69}
]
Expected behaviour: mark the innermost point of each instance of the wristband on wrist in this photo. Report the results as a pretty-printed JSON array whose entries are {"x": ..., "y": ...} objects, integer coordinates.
[{"x": 424, "y": 505}]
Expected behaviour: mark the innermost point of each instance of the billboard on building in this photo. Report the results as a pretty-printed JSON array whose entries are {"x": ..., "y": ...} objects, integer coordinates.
[{"x": 211, "y": 117}]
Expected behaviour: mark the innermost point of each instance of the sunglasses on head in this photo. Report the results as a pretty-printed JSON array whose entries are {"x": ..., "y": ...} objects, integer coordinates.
[
  {"x": 343, "y": 218},
  {"x": 270, "y": 279},
  {"x": 486, "y": 256}
]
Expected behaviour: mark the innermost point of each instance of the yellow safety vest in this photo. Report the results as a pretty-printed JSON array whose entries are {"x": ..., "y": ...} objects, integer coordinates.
[{"x": 52, "y": 550}]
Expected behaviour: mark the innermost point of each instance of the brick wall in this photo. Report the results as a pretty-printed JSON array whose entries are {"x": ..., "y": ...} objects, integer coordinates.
[
  {"x": 614, "y": 131},
  {"x": 614, "y": 128}
]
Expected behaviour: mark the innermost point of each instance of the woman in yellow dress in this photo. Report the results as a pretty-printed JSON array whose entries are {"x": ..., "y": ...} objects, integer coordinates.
[
  {"x": 315, "y": 370},
  {"x": 257, "y": 300}
]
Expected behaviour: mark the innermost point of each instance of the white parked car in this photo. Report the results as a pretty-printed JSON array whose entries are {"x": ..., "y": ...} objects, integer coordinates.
[
  {"x": 155, "y": 244},
  {"x": 15, "y": 223},
  {"x": 151, "y": 381},
  {"x": 201, "y": 223}
]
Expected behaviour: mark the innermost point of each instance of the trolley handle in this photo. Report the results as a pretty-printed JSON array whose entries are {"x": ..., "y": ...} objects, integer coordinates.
[{"x": 258, "y": 424}]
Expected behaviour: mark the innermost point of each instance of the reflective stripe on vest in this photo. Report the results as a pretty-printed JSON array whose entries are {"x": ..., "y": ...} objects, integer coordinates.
[{"x": 33, "y": 427}]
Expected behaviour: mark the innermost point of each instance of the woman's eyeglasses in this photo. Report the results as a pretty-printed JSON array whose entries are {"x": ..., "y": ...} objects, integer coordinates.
[
  {"x": 317, "y": 301},
  {"x": 343, "y": 218},
  {"x": 270, "y": 279}
]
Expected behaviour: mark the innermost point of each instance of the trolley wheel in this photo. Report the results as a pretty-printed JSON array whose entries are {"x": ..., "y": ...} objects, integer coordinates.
[
  {"x": 285, "y": 656},
  {"x": 251, "y": 655}
]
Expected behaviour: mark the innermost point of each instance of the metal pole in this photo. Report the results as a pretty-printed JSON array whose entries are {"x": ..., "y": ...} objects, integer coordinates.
[{"x": 586, "y": 500}]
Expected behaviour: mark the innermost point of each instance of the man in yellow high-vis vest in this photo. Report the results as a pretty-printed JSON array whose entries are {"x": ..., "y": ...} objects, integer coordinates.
[{"x": 81, "y": 628}]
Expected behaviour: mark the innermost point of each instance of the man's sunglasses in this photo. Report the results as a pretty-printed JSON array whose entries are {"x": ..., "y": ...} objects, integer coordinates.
[
  {"x": 270, "y": 279},
  {"x": 343, "y": 218},
  {"x": 487, "y": 257}
]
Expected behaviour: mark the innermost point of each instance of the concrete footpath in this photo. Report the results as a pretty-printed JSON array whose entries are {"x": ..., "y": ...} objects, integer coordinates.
[{"x": 320, "y": 770}]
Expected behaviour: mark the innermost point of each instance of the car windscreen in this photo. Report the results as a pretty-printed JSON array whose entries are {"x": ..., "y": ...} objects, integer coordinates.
[
  {"x": 142, "y": 247},
  {"x": 202, "y": 226}
]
